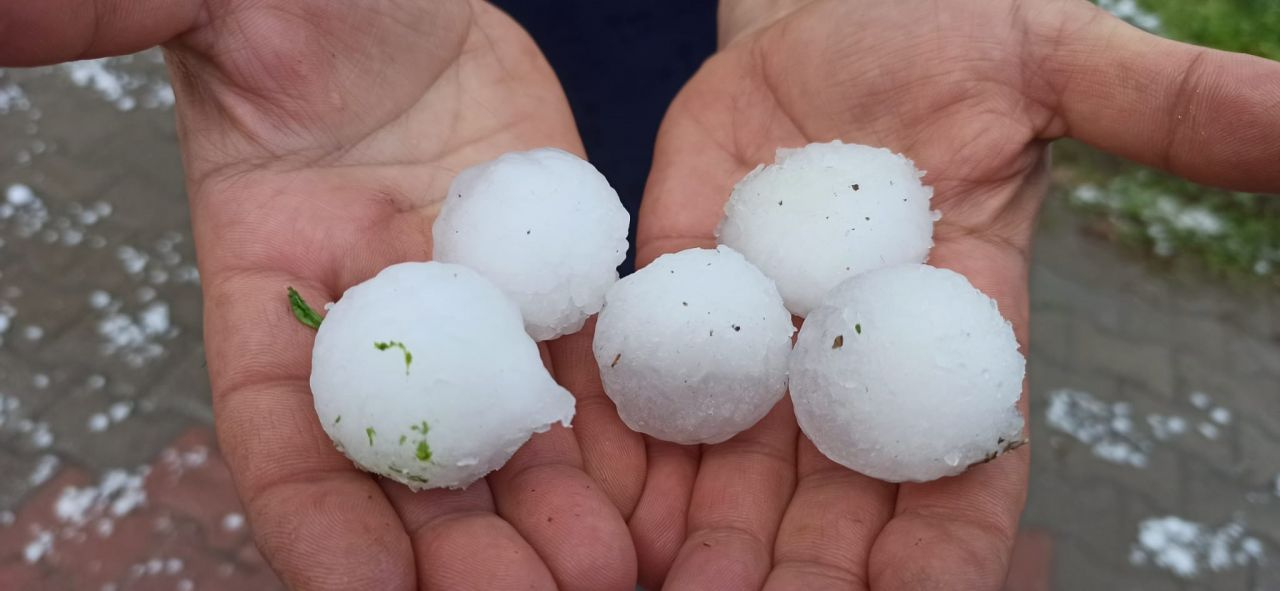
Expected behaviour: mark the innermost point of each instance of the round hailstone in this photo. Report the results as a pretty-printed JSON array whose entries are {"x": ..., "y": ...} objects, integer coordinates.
[
  {"x": 826, "y": 212},
  {"x": 424, "y": 374},
  {"x": 693, "y": 348},
  {"x": 908, "y": 374},
  {"x": 545, "y": 227}
]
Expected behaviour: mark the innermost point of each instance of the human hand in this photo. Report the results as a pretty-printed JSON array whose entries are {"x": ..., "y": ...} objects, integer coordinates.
[
  {"x": 319, "y": 139},
  {"x": 973, "y": 92}
]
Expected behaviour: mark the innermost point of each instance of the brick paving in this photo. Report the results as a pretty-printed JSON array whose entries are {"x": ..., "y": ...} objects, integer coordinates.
[
  {"x": 1156, "y": 393},
  {"x": 1153, "y": 348}
]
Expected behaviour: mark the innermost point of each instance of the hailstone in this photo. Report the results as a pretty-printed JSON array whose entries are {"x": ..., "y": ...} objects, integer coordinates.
[
  {"x": 908, "y": 373},
  {"x": 693, "y": 348},
  {"x": 826, "y": 212},
  {"x": 545, "y": 227},
  {"x": 424, "y": 374}
]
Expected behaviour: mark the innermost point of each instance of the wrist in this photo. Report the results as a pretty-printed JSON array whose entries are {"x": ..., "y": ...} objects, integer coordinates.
[{"x": 736, "y": 18}]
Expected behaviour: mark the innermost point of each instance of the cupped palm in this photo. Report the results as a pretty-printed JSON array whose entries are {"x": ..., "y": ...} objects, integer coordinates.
[{"x": 973, "y": 92}]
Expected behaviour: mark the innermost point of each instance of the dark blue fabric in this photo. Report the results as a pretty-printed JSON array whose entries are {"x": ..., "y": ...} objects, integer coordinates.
[{"x": 621, "y": 62}]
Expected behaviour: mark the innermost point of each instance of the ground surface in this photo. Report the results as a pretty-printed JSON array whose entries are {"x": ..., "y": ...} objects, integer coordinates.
[{"x": 1156, "y": 398}]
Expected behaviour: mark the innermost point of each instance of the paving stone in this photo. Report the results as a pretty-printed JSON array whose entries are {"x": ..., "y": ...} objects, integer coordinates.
[
  {"x": 1150, "y": 364},
  {"x": 185, "y": 390},
  {"x": 1244, "y": 395},
  {"x": 1052, "y": 335},
  {"x": 1090, "y": 512},
  {"x": 1050, "y": 288},
  {"x": 1258, "y": 464},
  {"x": 1251, "y": 355},
  {"x": 1147, "y": 319},
  {"x": 127, "y": 442},
  {"x": 1074, "y": 570}
]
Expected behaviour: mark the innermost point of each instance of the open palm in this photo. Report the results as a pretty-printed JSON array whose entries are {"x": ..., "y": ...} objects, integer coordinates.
[
  {"x": 359, "y": 120},
  {"x": 973, "y": 92},
  {"x": 319, "y": 138}
]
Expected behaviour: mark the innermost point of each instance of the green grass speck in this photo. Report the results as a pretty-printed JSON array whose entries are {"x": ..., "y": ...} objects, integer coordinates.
[
  {"x": 302, "y": 311},
  {"x": 424, "y": 451},
  {"x": 370, "y": 432},
  {"x": 408, "y": 357}
]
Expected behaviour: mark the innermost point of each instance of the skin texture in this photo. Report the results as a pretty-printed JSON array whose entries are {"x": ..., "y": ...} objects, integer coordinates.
[
  {"x": 318, "y": 140},
  {"x": 973, "y": 92}
]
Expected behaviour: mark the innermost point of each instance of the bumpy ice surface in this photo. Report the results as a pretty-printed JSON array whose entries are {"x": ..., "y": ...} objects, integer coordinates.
[
  {"x": 908, "y": 373},
  {"x": 693, "y": 348},
  {"x": 826, "y": 212},
  {"x": 544, "y": 226},
  {"x": 424, "y": 374}
]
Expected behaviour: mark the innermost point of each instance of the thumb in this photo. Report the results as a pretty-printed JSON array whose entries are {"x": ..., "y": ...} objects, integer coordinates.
[
  {"x": 50, "y": 31},
  {"x": 1207, "y": 115}
]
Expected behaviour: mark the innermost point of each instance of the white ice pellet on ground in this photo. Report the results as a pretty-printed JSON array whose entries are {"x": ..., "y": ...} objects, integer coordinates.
[
  {"x": 424, "y": 374},
  {"x": 693, "y": 348},
  {"x": 826, "y": 212},
  {"x": 19, "y": 194},
  {"x": 908, "y": 374},
  {"x": 542, "y": 225}
]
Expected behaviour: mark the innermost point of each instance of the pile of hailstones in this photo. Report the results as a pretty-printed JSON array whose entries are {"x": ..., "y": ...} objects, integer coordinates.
[{"x": 430, "y": 373}]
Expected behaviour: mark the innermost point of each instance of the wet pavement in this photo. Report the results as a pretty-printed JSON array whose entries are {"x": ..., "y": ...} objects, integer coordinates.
[
  {"x": 1156, "y": 419},
  {"x": 1156, "y": 396}
]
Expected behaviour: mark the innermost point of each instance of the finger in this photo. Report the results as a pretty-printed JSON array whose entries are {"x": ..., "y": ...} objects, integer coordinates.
[
  {"x": 1203, "y": 114},
  {"x": 51, "y": 31},
  {"x": 612, "y": 454},
  {"x": 825, "y": 539},
  {"x": 321, "y": 523},
  {"x": 565, "y": 515},
  {"x": 742, "y": 489},
  {"x": 953, "y": 533},
  {"x": 964, "y": 524},
  {"x": 660, "y": 521},
  {"x": 460, "y": 542}
]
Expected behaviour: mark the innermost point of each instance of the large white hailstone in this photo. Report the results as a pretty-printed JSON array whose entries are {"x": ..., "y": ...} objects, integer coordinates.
[
  {"x": 826, "y": 212},
  {"x": 693, "y": 348},
  {"x": 424, "y": 374},
  {"x": 908, "y": 374},
  {"x": 545, "y": 227}
]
